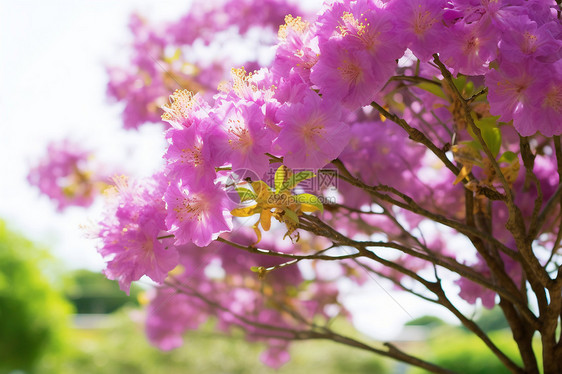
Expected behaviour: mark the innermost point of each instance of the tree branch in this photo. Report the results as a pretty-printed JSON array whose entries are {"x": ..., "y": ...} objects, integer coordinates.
[
  {"x": 316, "y": 256},
  {"x": 417, "y": 136},
  {"x": 287, "y": 333}
]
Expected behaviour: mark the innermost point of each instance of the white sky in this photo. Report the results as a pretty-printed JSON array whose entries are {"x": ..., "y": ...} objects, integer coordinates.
[{"x": 52, "y": 84}]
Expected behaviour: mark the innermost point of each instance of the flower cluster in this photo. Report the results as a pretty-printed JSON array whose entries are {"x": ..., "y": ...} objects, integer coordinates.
[
  {"x": 426, "y": 109},
  {"x": 165, "y": 56},
  {"x": 130, "y": 232},
  {"x": 68, "y": 175},
  {"x": 217, "y": 280}
]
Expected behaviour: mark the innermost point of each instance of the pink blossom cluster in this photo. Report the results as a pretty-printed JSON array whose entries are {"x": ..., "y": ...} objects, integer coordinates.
[
  {"x": 217, "y": 281},
  {"x": 198, "y": 282},
  {"x": 130, "y": 232},
  {"x": 309, "y": 107},
  {"x": 149, "y": 223},
  {"x": 164, "y": 57},
  {"x": 68, "y": 175}
]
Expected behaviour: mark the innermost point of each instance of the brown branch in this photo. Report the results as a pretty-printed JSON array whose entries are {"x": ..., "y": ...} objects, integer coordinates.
[
  {"x": 392, "y": 352},
  {"x": 414, "y": 79},
  {"x": 479, "y": 93},
  {"x": 515, "y": 223},
  {"x": 436, "y": 288},
  {"x": 470, "y": 232},
  {"x": 550, "y": 205},
  {"x": 417, "y": 136},
  {"x": 551, "y": 361},
  {"x": 450, "y": 264},
  {"x": 495, "y": 264},
  {"x": 316, "y": 256},
  {"x": 287, "y": 333},
  {"x": 522, "y": 335},
  {"x": 469, "y": 324},
  {"x": 449, "y": 79},
  {"x": 529, "y": 162},
  {"x": 394, "y": 281},
  {"x": 335, "y": 206},
  {"x": 555, "y": 246},
  {"x": 410, "y": 205},
  {"x": 472, "y": 326}
]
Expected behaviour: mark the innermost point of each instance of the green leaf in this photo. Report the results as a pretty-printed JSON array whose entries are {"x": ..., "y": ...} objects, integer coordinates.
[
  {"x": 469, "y": 88},
  {"x": 460, "y": 82},
  {"x": 311, "y": 200},
  {"x": 260, "y": 270},
  {"x": 432, "y": 88},
  {"x": 490, "y": 132},
  {"x": 467, "y": 154},
  {"x": 472, "y": 144},
  {"x": 508, "y": 157},
  {"x": 279, "y": 178},
  {"x": 487, "y": 122},
  {"x": 493, "y": 139},
  {"x": 295, "y": 179},
  {"x": 245, "y": 194},
  {"x": 291, "y": 215}
]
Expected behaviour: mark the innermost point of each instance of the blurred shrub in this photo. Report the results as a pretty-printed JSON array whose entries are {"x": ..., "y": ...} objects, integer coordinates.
[
  {"x": 35, "y": 337},
  {"x": 463, "y": 352},
  {"x": 427, "y": 321},
  {"x": 121, "y": 348},
  {"x": 92, "y": 292},
  {"x": 492, "y": 320},
  {"x": 33, "y": 315}
]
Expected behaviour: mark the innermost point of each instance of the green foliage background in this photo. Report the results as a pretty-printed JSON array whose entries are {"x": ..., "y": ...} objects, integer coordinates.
[
  {"x": 33, "y": 314},
  {"x": 121, "y": 348},
  {"x": 37, "y": 335}
]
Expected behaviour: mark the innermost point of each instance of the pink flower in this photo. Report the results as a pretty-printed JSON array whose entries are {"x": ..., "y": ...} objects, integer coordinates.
[
  {"x": 197, "y": 215},
  {"x": 312, "y": 132},
  {"x": 525, "y": 38},
  {"x": 361, "y": 25},
  {"x": 397, "y": 163},
  {"x": 242, "y": 138},
  {"x": 469, "y": 50},
  {"x": 276, "y": 355},
  {"x": 130, "y": 88},
  {"x": 291, "y": 88},
  {"x": 485, "y": 13},
  {"x": 170, "y": 314},
  {"x": 421, "y": 25},
  {"x": 544, "y": 113},
  {"x": 66, "y": 175},
  {"x": 297, "y": 49},
  {"x": 358, "y": 52},
  {"x": 137, "y": 253},
  {"x": 189, "y": 156},
  {"x": 509, "y": 90},
  {"x": 348, "y": 75},
  {"x": 184, "y": 108},
  {"x": 130, "y": 230}
]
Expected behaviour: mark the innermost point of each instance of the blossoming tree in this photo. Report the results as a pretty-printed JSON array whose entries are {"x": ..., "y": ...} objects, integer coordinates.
[{"x": 378, "y": 132}]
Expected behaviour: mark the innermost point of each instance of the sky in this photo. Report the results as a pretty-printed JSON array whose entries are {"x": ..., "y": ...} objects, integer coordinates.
[{"x": 52, "y": 85}]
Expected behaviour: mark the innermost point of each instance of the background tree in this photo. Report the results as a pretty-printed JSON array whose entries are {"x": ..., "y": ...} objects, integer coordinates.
[
  {"x": 431, "y": 141},
  {"x": 34, "y": 315}
]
